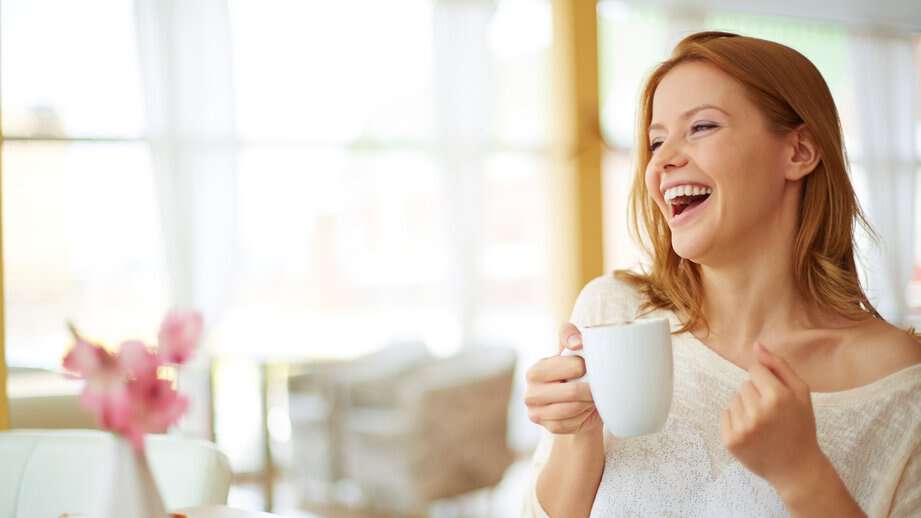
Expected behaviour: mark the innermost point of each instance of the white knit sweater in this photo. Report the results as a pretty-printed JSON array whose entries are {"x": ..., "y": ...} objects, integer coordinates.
[{"x": 871, "y": 434}]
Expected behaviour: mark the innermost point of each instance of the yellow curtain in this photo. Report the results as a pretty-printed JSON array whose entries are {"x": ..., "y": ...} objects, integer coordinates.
[{"x": 575, "y": 186}]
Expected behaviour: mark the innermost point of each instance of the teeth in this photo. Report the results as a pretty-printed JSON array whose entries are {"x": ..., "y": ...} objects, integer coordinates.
[{"x": 685, "y": 190}]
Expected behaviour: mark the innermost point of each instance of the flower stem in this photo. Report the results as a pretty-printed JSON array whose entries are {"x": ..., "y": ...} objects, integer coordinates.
[{"x": 73, "y": 331}]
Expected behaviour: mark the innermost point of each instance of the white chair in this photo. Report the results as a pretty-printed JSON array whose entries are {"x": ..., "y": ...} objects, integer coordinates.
[{"x": 44, "y": 473}]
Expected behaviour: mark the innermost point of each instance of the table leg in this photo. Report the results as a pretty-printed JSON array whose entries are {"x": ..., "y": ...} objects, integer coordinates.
[{"x": 268, "y": 483}]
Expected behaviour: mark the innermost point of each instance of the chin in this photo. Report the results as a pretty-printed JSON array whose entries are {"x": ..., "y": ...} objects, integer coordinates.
[{"x": 692, "y": 248}]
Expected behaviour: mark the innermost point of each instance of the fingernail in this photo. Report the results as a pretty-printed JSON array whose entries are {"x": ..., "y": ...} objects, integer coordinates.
[{"x": 573, "y": 340}]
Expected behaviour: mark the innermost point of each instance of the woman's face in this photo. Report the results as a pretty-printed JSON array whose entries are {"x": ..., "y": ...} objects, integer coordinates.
[{"x": 717, "y": 171}]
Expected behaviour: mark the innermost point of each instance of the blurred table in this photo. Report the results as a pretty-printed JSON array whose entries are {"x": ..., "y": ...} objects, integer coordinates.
[
  {"x": 221, "y": 511},
  {"x": 273, "y": 372}
]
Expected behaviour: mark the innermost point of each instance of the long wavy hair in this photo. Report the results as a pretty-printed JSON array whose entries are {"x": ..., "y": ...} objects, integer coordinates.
[{"x": 789, "y": 91}]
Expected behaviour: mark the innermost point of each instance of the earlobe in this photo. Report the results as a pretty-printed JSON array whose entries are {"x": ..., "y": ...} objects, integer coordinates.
[{"x": 804, "y": 156}]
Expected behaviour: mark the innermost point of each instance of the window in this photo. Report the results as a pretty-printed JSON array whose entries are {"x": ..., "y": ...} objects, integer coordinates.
[
  {"x": 392, "y": 183},
  {"x": 81, "y": 228},
  {"x": 391, "y": 180},
  {"x": 373, "y": 174}
]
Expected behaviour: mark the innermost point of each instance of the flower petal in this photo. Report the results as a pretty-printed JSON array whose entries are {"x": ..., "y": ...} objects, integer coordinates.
[
  {"x": 179, "y": 335},
  {"x": 139, "y": 362},
  {"x": 86, "y": 359},
  {"x": 157, "y": 406}
]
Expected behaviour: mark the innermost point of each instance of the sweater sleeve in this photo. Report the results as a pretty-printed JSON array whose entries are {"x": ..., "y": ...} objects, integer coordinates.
[
  {"x": 907, "y": 499},
  {"x": 532, "y": 507},
  {"x": 603, "y": 300}
]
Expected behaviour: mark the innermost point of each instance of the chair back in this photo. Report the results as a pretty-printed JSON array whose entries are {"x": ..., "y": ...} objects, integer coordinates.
[{"x": 50, "y": 472}]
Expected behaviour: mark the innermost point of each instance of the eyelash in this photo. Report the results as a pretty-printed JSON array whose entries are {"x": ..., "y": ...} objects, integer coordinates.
[{"x": 702, "y": 125}]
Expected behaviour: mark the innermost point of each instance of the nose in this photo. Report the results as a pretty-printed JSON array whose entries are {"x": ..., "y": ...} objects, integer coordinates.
[{"x": 669, "y": 157}]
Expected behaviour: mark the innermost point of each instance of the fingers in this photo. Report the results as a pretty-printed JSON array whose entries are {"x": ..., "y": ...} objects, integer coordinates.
[
  {"x": 560, "y": 407},
  {"x": 768, "y": 384},
  {"x": 744, "y": 410},
  {"x": 737, "y": 414},
  {"x": 554, "y": 397},
  {"x": 751, "y": 399},
  {"x": 560, "y": 411},
  {"x": 571, "y": 425},
  {"x": 780, "y": 368},
  {"x": 556, "y": 368},
  {"x": 548, "y": 393},
  {"x": 570, "y": 337}
]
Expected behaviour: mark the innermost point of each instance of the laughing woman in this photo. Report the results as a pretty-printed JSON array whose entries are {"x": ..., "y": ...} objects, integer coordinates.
[{"x": 792, "y": 395}]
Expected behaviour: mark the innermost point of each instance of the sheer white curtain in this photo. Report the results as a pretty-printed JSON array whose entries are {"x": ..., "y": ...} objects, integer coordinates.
[
  {"x": 462, "y": 80},
  {"x": 886, "y": 89},
  {"x": 185, "y": 57}
]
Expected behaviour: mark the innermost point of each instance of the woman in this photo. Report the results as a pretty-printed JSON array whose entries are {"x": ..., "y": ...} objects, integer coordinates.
[{"x": 792, "y": 395}]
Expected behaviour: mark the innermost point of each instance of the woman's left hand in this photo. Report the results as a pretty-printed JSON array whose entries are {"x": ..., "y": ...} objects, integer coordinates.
[{"x": 769, "y": 425}]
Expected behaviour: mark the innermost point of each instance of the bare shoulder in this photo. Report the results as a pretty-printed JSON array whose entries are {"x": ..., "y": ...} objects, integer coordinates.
[{"x": 879, "y": 349}]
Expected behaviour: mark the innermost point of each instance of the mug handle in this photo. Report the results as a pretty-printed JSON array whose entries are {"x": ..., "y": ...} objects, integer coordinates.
[{"x": 569, "y": 352}]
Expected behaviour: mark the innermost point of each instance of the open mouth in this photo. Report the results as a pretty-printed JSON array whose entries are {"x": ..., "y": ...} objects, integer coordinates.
[{"x": 687, "y": 203}]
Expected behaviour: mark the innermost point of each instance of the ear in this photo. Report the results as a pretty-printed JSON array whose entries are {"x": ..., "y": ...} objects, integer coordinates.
[{"x": 802, "y": 152}]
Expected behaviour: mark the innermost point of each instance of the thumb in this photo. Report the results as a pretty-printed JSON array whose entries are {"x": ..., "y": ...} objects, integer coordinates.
[{"x": 569, "y": 338}]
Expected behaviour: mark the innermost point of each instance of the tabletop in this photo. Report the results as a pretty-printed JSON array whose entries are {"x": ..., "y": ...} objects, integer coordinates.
[{"x": 220, "y": 511}]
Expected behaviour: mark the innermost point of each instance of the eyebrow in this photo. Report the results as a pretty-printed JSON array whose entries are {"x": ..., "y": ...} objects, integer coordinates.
[{"x": 690, "y": 112}]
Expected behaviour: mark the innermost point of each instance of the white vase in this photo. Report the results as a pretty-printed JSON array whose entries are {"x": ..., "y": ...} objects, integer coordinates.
[{"x": 134, "y": 490}]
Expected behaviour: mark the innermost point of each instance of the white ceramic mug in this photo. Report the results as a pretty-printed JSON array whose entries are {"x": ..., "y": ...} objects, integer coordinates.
[{"x": 629, "y": 370}]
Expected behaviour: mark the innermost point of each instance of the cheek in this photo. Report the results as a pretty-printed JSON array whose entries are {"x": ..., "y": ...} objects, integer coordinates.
[{"x": 753, "y": 194}]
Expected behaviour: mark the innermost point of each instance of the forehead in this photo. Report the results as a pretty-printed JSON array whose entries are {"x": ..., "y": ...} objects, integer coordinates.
[{"x": 693, "y": 84}]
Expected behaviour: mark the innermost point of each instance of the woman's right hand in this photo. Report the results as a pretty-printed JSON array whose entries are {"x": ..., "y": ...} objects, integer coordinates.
[{"x": 554, "y": 401}]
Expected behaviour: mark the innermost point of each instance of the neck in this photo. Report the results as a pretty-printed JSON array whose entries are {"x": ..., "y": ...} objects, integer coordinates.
[
  {"x": 753, "y": 302},
  {"x": 750, "y": 293}
]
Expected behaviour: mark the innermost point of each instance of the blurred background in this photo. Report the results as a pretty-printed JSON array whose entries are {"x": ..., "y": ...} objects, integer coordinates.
[{"x": 384, "y": 210}]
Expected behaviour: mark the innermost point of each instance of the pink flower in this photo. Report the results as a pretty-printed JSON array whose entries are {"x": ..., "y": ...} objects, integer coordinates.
[
  {"x": 179, "y": 335},
  {"x": 138, "y": 362},
  {"x": 123, "y": 389},
  {"x": 137, "y": 408},
  {"x": 154, "y": 408},
  {"x": 112, "y": 407},
  {"x": 92, "y": 362}
]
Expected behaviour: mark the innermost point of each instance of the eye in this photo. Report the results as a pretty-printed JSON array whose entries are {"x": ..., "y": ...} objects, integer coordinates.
[
  {"x": 702, "y": 126},
  {"x": 696, "y": 128}
]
